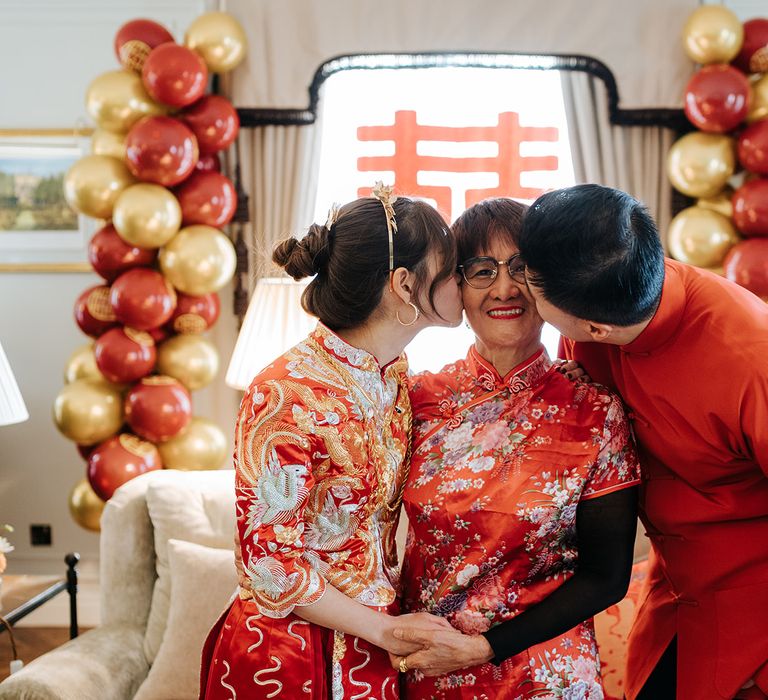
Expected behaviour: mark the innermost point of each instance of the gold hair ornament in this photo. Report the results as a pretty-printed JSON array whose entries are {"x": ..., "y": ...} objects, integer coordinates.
[{"x": 385, "y": 194}]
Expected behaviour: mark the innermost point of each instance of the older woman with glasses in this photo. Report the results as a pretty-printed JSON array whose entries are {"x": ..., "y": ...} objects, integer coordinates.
[{"x": 521, "y": 498}]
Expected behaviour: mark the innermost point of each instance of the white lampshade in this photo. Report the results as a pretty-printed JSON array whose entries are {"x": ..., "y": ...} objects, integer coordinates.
[
  {"x": 273, "y": 323},
  {"x": 12, "y": 408}
]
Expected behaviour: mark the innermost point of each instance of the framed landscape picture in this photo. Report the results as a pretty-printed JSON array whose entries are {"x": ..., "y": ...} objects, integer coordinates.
[{"x": 38, "y": 229}]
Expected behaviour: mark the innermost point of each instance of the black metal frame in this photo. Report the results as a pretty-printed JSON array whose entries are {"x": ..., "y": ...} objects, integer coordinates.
[
  {"x": 69, "y": 584},
  {"x": 671, "y": 118}
]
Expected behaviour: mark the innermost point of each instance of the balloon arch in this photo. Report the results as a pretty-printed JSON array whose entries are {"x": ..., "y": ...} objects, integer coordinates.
[
  {"x": 153, "y": 177},
  {"x": 724, "y": 163}
]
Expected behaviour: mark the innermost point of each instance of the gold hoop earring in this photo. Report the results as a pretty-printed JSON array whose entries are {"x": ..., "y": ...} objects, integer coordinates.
[{"x": 417, "y": 313}]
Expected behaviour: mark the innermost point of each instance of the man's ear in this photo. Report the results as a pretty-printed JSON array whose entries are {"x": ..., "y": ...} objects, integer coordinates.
[
  {"x": 599, "y": 332},
  {"x": 402, "y": 284}
]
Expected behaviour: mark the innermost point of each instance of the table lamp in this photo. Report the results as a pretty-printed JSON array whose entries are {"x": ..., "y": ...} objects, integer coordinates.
[
  {"x": 12, "y": 408},
  {"x": 274, "y": 322}
]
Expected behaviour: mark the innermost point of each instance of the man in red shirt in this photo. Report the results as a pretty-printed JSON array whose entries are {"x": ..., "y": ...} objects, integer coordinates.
[{"x": 688, "y": 352}]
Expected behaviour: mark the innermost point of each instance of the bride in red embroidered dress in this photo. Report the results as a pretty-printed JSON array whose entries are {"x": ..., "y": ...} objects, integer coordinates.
[{"x": 321, "y": 454}]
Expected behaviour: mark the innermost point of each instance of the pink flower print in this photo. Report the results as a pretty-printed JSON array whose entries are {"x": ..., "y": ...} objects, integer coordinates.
[
  {"x": 471, "y": 622},
  {"x": 492, "y": 436},
  {"x": 585, "y": 669}
]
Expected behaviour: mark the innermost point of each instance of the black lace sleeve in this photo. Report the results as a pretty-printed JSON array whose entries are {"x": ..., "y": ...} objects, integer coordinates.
[{"x": 605, "y": 528}]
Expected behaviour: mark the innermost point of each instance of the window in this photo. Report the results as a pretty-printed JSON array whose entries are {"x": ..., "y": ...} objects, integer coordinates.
[{"x": 453, "y": 136}]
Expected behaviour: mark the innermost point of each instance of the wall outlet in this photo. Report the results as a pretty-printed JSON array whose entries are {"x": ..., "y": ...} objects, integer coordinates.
[{"x": 40, "y": 535}]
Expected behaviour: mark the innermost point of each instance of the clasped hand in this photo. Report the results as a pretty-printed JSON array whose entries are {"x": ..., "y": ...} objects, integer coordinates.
[{"x": 440, "y": 649}]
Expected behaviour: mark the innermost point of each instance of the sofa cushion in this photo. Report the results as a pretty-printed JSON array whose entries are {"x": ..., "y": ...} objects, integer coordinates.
[
  {"x": 196, "y": 507},
  {"x": 203, "y": 581}
]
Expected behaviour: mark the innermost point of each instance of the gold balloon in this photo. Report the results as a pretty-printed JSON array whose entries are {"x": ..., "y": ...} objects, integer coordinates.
[
  {"x": 201, "y": 446},
  {"x": 701, "y": 237},
  {"x": 85, "y": 506},
  {"x": 93, "y": 184},
  {"x": 117, "y": 100},
  {"x": 721, "y": 203},
  {"x": 87, "y": 412},
  {"x": 108, "y": 143},
  {"x": 147, "y": 215},
  {"x": 82, "y": 365},
  {"x": 198, "y": 260},
  {"x": 219, "y": 38},
  {"x": 700, "y": 164},
  {"x": 758, "y": 106},
  {"x": 712, "y": 34},
  {"x": 191, "y": 359}
]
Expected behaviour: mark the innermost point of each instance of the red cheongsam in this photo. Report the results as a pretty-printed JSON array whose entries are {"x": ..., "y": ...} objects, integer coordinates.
[
  {"x": 319, "y": 449},
  {"x": 499, "y": 467}
]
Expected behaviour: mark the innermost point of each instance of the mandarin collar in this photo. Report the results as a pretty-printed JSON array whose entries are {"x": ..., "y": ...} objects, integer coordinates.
[
  {"x": 354, "y": 357},
  {"x": 668, "y": 316},
  {"x": 526, "y": 375}
]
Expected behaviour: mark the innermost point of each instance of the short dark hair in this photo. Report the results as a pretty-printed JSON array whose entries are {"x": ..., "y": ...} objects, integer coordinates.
[
  {"x": 481, "y": 224},
  {"x": 350, "y": 260},
  {"x": 595, "y": 253}
]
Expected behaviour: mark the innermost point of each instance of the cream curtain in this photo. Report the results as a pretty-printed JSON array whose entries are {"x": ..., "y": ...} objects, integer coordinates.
[
  {"x": 630, "y": 158},
  {"x": 279, "y": 166}
]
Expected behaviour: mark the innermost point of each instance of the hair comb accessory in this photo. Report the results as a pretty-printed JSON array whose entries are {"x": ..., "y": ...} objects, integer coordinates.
[
  {"x": 333, "y": 215},
  {"x": 385, "y": 194}
]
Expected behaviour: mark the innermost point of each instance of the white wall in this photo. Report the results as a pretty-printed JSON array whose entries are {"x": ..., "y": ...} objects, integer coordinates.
[{"x": 50, "y": 51}]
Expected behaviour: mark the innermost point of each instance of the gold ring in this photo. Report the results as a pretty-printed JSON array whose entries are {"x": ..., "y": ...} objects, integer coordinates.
[{"x": 403, "y": 666}]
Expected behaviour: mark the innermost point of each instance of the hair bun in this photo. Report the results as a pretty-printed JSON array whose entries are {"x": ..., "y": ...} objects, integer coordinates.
[{"x": 304, "y": 257}]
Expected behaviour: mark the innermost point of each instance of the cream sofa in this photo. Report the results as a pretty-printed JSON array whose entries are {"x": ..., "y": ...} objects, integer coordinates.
[{"x": 137, "y": 603}]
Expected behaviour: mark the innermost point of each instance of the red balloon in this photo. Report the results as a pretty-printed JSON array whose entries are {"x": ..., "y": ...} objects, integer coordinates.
[
  {"x": 753, "y": 147},
  {"x": 747, "y": 264},
  {"x": 750, "y": 207},
  {"x": 142, "y": 298},
  {"x": 206, "y": 198},
  {"x": 93, "y": 311},
  {"x": 209, "y": 162},
  {"x": 158, "y": 408},
  {"x": 174, "y": 75},
  {"x": 214, "y": 121},
  {"x": 110, "y": 255},
  {"x": 120, "y": 459},
  {"x": 124, "y": 355},
  {"x": 161, "y": 150},
  {"x": 717, "y": 98},
  {"x": 195, "y": 314},
  {"x": 135, "y": 39},
  {"x": 753, "y": 57}
]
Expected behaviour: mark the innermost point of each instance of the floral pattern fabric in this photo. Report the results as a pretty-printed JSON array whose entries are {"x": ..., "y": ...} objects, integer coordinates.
[
  {"x": 319, "y": 449},
  {"x": 499, "y": 467}
]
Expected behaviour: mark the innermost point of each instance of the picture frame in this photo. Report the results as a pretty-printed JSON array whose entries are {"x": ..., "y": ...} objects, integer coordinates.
[{"x": 39, "y": 232}]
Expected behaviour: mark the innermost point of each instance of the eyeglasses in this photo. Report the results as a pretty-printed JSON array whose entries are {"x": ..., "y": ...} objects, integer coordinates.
[{"x": 481, "y": 272}]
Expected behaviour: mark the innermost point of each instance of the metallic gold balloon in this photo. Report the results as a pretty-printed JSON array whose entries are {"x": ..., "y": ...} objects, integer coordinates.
[
  {"x": 82, "y": 365},
  {"x": 88, "y": 412},
  {"x": 219, "y": 38},
  {"x": 93, "y": 184},
  {"x": 700, "y": 164},
  {"x": 147, "y": 215},
  {"x": 721, "y": 202},
  {"x": 191, "y": 359},
  {"x": 117, "y": 100},
  {"x": 701, "y": 237},
  {"x": 85, "y": 506},
  {"x": 201, "y": 446},
  {"x": 108, "y": 143},
  {"x": 712, "y": 34},
  {"x": 198, "y": 260},
  {"x": 758, "y": 106}
]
